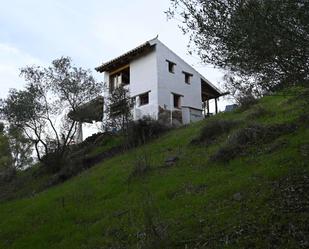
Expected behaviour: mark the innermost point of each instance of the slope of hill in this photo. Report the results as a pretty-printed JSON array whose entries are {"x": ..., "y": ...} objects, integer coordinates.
[{"x": 236, "y": 180}]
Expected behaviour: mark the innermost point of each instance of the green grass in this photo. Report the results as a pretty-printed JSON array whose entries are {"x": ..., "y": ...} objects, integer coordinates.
[
  {"x": 188, "y": 205},
  {"x": 108, "y": 143}
]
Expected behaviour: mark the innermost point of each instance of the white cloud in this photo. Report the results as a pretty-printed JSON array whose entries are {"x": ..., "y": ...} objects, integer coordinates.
[{"x": 11, "y": 60}]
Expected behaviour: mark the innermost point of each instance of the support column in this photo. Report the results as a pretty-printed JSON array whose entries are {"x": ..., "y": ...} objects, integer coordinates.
[
  {"x": 208, "y": 112},
  {"x": 216, "y": 103},
  {"x": 79, "y": 132},
  {"x": 204, "y": 108}
]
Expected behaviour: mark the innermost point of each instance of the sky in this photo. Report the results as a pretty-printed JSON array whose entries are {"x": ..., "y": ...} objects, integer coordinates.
[{"x": 34, "y": 32}]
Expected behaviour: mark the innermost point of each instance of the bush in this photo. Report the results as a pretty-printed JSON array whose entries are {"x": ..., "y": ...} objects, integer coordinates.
[
  {"x": 7, "y": 175},
  {"x": 141, "y": 131},
  {"x": 254, "y": 134},
  {"x": 53, "y": 161},
  {"x": 213, "y": 129},
  {"x": 141, "y": 167},
  {"x": 257, "y": 112},
  {"x": 246, "y": 101}
]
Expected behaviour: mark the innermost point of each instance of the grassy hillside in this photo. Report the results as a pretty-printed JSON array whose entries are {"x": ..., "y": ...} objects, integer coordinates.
[{"x": 245, "y": 186}]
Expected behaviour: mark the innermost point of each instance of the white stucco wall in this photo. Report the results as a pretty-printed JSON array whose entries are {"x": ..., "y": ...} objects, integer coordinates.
[
  {"x": 175, "y": 82},
  {"x": 149, "y": 73},
  {"x": 186, "y": 115},
  {"x": 144, "y": 78}
]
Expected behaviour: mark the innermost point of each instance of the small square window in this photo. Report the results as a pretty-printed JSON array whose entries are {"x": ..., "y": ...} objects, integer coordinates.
[
  {"x": 177, "y": 101},
  {"x": 188, "y": 77},
  {"x": 144, "y": 99},
  {"x": 171, "y": 66}
]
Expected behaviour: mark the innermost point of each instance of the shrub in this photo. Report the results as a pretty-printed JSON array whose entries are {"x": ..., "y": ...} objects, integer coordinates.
[
  {"x": 141, "y": 131},
  {"x": 238, "y": 143},
  {"x": 213, "y": 129},
  {"x": 257, "y": 112},
  {"x": 7, "y": 175},
  {"x": 247, "y": 101},
  {"x": 53, "y": 161},
  {"x": 141, "y": 167}
]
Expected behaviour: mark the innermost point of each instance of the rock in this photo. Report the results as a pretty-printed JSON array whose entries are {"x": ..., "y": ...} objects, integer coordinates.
[
  {"x": 171, "y": 160},
  {"x": 237, "y": 196}
]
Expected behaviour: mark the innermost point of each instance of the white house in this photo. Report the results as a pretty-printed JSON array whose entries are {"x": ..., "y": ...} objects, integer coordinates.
[{"x": 160, "y": 84}]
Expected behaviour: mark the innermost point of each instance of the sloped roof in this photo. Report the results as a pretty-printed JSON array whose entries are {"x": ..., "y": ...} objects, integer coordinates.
[
  {"x": 144, "y": 48},
  {"x": 127, "y": 57}
]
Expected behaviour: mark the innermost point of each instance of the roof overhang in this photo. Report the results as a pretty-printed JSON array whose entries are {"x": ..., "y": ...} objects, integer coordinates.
[
  {"x": 126, "y": 58},
  {"x": 209, "y": 91}
]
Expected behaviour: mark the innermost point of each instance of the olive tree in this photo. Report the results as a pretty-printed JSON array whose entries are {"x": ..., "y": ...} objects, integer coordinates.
[
  {"x": 41, "y": 109},
  {"x": 5, "y": 153},
  {"x": 262, "y": 44}
]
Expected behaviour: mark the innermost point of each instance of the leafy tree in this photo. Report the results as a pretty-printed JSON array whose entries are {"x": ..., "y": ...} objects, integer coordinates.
[
  {"x": 5, "y": 153},
  {"x": 23, "y": 109},
  {"x": 1, "y": 128},
  {"x": 20, "y": 147},
  {"x": 40, "y": 110},
  {"x": 117, "y": 110},
  {"x": 262, "y": 44}
]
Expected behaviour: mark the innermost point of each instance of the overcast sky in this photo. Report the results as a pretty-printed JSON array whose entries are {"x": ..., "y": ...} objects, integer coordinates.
[{"x": 91, "y": 32}]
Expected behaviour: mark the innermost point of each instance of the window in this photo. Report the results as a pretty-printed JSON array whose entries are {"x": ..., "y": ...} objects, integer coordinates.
[
  {"x": 125, "y": 76},
  {"x": 188, "y": 77},
  {"x": 171, "y": 66},
  {"x": 114, "y": 81},
  {"x": 118, "y": 78},
  {"x": 144, "y": 99},
  {"x": 177, "y": 99}
]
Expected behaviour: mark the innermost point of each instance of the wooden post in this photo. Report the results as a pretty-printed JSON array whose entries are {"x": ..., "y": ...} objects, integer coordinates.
[
  {"x": 204, "y": 108},
  {"x": 208, "y": 107},
  {"x": 216, "y": 103}
]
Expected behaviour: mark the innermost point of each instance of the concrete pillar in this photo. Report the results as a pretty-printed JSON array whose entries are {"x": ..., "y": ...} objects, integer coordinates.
[{"x": 79, "y": 132}]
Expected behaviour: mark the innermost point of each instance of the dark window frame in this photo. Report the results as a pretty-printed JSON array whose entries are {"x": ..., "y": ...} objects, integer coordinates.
[
  {"x": 188, "y": 77},
  {"x": 142, "y": 98},
  {"x": 171, "y": 66},
  {"x": 123, "y": 74},
  {"x": 177, "y": 101}
]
